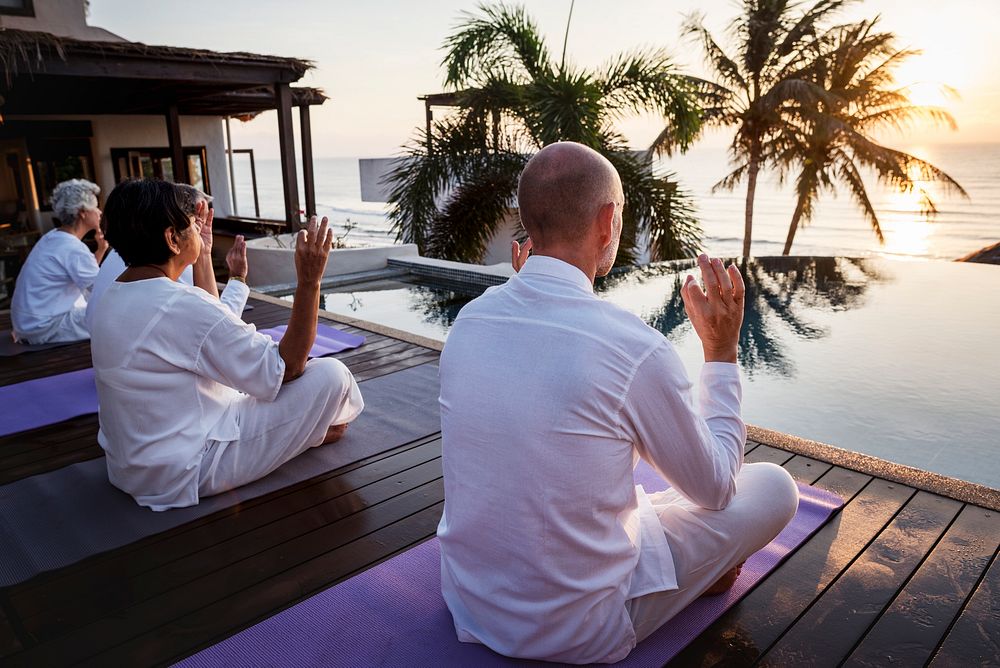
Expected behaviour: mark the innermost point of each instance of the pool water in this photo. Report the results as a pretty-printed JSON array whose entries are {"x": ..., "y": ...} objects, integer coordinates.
[{"x": 896, "y": 359}]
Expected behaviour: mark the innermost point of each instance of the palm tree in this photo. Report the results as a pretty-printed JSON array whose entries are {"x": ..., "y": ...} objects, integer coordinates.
[
  {"x": 762, "y": 83},
  {"x": 834, "y": 143},
  {"x": 452, "y": 190}
]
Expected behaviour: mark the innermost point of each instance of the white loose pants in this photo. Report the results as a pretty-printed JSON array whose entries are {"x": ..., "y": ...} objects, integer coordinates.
[
  {"x": 705, "y": 544},
  {"x": 272, "y": 432}
]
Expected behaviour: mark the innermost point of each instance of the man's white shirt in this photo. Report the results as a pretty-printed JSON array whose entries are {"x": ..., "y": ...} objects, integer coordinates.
[{"x": 549, "y": 395}]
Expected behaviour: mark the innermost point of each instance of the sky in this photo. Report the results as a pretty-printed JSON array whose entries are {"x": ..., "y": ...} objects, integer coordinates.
[{"x": 374, "y": 57}]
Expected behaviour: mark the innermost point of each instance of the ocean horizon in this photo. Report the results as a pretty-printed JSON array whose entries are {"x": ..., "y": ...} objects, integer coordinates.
[{"x": 960, "y": 226}]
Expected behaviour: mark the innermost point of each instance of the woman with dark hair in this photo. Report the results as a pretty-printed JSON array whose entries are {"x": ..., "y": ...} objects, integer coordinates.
[
  {"x": 194, "y": 203},
  {"x": 194, "y": 401},
  {"x": 50, "y": 297}
]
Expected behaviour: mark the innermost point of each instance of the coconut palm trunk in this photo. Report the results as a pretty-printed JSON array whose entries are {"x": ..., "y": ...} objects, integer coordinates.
[
  {"x": 752, "y": 169},
  {"x": 794, "y": 226}
]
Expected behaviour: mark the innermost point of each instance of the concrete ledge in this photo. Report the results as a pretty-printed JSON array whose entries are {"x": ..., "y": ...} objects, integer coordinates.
[
  {"x": 408, "y": 337},
  {"x": 480, "y": 276},
  {"x": 969, "y": 492}
]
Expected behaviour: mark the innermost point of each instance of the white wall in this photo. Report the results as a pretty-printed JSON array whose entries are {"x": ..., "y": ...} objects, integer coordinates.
[
  {"x": 66, "y": 18},
  {"x": 151, "y": 131}
]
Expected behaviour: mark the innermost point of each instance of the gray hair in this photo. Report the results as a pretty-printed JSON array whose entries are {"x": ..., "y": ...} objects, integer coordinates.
[
  {"x": 71, "y": 197},
  {"x": 189, "y": 196}
]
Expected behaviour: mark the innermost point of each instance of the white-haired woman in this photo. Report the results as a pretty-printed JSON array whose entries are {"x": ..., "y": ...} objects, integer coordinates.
[{"x": 50, "y": 298}]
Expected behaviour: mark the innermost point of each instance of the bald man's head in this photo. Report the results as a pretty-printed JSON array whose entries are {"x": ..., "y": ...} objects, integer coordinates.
[{"x": 562, "y": 189}]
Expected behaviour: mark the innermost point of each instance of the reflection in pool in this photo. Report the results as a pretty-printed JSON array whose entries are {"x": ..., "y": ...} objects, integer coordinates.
[{"x": 892, "y": 358}]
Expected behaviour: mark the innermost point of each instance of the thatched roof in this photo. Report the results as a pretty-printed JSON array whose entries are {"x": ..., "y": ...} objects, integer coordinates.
[{"x": 43, "y": 72}]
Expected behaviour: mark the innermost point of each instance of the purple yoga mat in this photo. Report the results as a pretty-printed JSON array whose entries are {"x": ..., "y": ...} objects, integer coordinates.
[
  {"x": 393, "y": 614},
  {"x": 44, "y": 401},
  {"x": 329, "y": 340}
]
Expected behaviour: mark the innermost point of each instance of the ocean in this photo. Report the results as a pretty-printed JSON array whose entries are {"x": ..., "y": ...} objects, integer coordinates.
[{"x": 960, "y": 225}]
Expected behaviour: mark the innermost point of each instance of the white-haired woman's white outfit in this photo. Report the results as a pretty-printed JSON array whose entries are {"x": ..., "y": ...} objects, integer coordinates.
[
  {"x": 50, "y": 298},
  {"x": 192, "y": 401}
]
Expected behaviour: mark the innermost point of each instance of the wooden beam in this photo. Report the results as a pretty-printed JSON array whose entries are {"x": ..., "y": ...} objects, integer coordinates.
[
  {"x": 286, "y": 140},
  {"x": 177, "y": 160},
  {"x": 308, "y": 176},
  {"x": 129, "y": 67}
]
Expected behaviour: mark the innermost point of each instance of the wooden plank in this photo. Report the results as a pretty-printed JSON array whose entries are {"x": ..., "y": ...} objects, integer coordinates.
[
  {"x": 94, "y": 599},
  {"x": 806, "y": 470},
  {"x": 844, "y": 612},
  {"x": 910, "y": 629},
  {"x": 64, "y": 587},
  {"x": 185, "y": 636},
  {"x": 974, "y": 640},
  {"x": 386, "y": 369},
  {"x": 765, "y": 453},
  {"x": 747, "y": 629},
  {"x": 247, "y": 591}
]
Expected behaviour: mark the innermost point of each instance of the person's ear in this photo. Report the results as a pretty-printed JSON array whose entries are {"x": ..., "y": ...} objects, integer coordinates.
[
  {"x": 173, "y": 243},
  {"x": 606, "y": 224}
]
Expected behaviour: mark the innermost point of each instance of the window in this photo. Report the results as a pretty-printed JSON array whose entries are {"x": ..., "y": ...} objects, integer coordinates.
[
  {"x": 17, "y": 7},
  {"x": 157, "y": 163},
  {"x": 54, "y": 160}
]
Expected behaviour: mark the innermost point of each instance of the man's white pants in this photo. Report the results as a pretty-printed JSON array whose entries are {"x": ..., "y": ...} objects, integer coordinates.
[
  {"x": 272, "y": 432},
  {"x": 707, "y": 543}
]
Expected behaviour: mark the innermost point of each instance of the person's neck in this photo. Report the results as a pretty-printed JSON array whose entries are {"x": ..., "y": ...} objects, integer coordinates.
[
  {"x": 77, "y": 230},
  {"x": 142, "y": 272},
  {"x": 579, "y": 258}
]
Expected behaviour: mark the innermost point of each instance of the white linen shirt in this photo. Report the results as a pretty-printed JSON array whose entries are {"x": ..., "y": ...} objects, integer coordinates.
[
  {"x": 55, "y": 279},
  {"x": 170, "y": 362},
  {"x": 549, "y": 395},
  {"x": 114, "y": 266}
]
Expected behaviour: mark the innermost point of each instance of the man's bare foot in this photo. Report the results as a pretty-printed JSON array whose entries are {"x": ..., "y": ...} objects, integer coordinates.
[
  {"x": 334, "y": 433},
  {"x": 724, "y": 583}
]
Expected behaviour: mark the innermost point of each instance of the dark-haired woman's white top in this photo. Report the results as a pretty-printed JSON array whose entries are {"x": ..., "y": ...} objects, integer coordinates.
[{"x": 170, "y": 362}]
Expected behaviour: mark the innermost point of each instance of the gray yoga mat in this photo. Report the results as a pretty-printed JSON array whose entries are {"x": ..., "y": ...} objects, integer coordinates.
[
  {"x": 55, "y": 519},
  {"x": 9, "y": 347}
]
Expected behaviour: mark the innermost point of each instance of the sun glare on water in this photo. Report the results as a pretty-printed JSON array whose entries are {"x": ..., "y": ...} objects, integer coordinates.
[{"x": 905, "y": 222}]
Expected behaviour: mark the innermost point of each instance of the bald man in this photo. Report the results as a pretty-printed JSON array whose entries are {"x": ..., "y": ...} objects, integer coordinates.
[{"x": 549, "y": 397}]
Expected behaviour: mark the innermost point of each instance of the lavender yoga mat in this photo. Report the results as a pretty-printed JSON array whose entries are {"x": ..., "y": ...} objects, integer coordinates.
[
  {"x": 44, "y": 401},
  {"x": 57, "y": 518},
  {"x": 329, "y": 340},
  {"x": 393, "y": 614}
]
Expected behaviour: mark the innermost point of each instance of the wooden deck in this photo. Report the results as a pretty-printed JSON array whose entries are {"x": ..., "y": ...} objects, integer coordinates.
[{"x": 899, "y": 577}]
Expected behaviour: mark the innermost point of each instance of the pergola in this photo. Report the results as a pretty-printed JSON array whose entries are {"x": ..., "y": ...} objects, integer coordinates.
[{"x": 45, "y": 74}]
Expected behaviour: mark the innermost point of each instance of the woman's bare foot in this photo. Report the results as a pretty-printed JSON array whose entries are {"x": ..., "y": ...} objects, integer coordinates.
[
  {"x": 334, "y": 433},
  {"x": 724, "y": 583}
]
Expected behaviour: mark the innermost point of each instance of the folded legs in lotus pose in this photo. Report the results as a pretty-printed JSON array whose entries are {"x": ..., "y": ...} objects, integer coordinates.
[{"x": 194, "y": 401}]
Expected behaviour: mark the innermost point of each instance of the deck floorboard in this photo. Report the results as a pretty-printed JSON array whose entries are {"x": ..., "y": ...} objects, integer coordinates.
[{"x": 898, "y": 575}]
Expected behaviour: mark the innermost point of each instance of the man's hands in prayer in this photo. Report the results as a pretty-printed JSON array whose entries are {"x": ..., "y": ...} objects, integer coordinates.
[
  {"x": 312, "y": 248},
  {"x": 236, "y": 258},
  {"x": 519, "y": 254},
  {"x": 717, "y": 311}
]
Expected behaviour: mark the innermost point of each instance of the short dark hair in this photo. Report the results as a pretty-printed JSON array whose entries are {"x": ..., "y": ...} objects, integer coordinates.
[{"x": 135, "y": 216}]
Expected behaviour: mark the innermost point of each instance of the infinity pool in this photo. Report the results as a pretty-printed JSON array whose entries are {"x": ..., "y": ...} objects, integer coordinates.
[{"x": 895, "y": 359}]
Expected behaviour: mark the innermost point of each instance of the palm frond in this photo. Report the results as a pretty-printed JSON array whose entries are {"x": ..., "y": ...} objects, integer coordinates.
[
  {"x": 501, "y": 36},
  {"x": 476, "y": 209}
]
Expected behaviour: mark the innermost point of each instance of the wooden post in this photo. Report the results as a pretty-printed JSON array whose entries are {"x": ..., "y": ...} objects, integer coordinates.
[
  {"x": 308, "y": 177},
  {"x": 232, "y": 172},
  {"x": 430, "y": 121},
  {"x": 177, "y": 160},
  {"x": 286, "y": 141}
]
